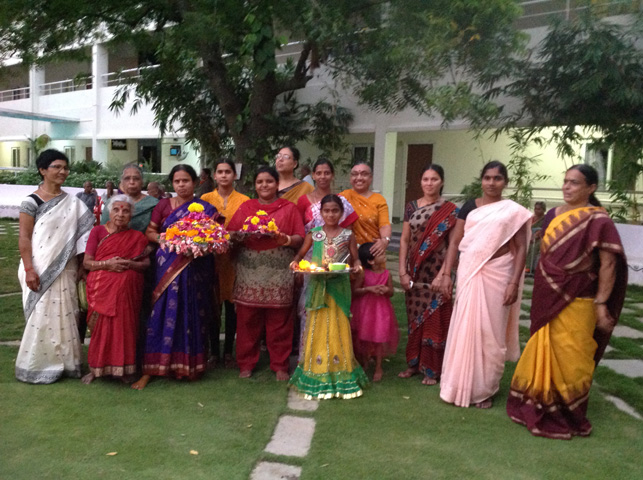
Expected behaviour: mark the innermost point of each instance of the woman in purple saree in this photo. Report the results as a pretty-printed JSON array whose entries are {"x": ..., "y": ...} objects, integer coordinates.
[{"x": 176, "y": 334}]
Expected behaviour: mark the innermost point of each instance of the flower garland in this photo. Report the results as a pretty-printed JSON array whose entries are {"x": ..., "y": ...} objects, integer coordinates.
[
  {"x": 196, "y": 234},
  {"x": 260, "y": 223}
]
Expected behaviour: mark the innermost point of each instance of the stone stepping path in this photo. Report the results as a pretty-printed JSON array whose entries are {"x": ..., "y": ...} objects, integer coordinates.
[{"x": 292, "y": 438}]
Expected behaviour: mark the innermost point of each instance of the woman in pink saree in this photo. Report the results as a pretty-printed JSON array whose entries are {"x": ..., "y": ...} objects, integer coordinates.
[{"x": 491, "y": 234}]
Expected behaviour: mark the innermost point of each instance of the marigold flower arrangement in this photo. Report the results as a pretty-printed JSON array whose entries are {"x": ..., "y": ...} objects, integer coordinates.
[
  {"x": 260, "y": 223},
  {"x": 196, "y": 234}
]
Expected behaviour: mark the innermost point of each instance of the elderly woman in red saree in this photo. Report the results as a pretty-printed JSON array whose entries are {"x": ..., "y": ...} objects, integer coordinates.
[
  {"x": 264, "y": 285},
  {"x": 578, "y": 295},
  {"x": 428, "y": 223},
  {"x": 182, "y": 300},
  {"x": 115, "y": 257},
  {"x": 492, "y": 235}
]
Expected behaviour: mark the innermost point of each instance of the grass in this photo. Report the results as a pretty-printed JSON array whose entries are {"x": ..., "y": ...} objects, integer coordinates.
[
  {"x": 66, "y": 430},
  {"x": 398, "y": 429}
]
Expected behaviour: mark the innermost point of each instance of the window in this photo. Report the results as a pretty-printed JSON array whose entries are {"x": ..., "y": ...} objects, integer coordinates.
[
  {"x": 613, "y": 164},
  {"x": 600, "y": 156},
  {"x": 71, "y": 154},
  {"x": 15, "y": 157},
  {"x": 364, "y": 153}
]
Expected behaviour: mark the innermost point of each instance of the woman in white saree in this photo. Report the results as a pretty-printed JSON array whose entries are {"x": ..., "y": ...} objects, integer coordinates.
[
  {"x": 54, "y": 228},
  {"x": 491, "y": 234}
]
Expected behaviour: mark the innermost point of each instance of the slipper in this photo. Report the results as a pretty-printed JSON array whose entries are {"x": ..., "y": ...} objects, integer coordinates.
[{"x": 408, "y": 373}]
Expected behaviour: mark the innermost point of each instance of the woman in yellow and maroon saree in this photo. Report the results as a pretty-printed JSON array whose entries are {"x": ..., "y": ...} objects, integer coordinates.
[
  {"x": 115, "y": 257},
  {"x": 578, "y": 295},
  {"x": 176, "y": 335}
]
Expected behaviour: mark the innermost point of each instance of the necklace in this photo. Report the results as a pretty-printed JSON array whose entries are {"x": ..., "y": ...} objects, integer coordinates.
[{"x": 49, "y": 193}]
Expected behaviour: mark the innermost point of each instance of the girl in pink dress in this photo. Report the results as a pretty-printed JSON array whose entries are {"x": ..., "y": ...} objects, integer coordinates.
[{"x": 374, "y": 326}]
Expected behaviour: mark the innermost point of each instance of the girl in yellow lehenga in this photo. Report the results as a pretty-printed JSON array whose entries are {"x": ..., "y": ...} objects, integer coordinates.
[
  {"x": 328, "y": 367},
  {"x": 578, "y": 295}
]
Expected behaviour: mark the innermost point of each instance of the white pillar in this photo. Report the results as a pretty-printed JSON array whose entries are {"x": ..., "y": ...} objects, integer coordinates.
[
  {"x": 384, "y": 162},
  {"x": 36, "y": 78},
  {"x": 100, "y": 58}
]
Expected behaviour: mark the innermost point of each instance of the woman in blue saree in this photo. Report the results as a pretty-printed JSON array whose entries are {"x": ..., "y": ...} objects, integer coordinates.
[{"x": 176, "y": 333}]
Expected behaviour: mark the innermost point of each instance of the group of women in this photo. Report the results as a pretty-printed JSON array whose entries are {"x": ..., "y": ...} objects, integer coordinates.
[
  {"x": 578, "y": 293},
  {"x": 463, "y": 344},
  {"x": 177, "y": 301}
]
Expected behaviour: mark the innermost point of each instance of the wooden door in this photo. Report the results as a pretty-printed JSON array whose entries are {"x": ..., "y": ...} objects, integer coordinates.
[{"x": 419, "y": 157}]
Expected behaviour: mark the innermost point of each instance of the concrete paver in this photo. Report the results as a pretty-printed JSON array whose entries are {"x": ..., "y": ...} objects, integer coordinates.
[
  {"x": 275, "y": 471},
  {"x": 292, "y": 437},
  {"x": 630, "y": 368},
  {"x": 295, "y": 402},
  {"x": 623, "y": 407},
  {"x": 627, "y": 332}
]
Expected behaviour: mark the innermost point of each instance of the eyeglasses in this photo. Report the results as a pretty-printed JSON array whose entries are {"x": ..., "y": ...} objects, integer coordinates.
[
  {"x": 360, "y": 174},
  {"x": 58, "y": 168},
  {"x": 282, "y": 155}
]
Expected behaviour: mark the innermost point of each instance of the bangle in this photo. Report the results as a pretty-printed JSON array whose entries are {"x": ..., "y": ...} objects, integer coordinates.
[
  {"x": 596, "y": 302},
  {"x": 402, "y": 274},
  {"x": 28, "y": 269},
  {"x": 288, "y": 240}
]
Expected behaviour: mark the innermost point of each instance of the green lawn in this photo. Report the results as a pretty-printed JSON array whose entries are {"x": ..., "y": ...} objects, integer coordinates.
[{"x": 399, "y": 429}]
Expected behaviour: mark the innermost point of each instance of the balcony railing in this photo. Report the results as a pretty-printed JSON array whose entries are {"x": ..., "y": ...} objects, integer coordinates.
[
  {"x": 14, "y": 94},
  {"x": 538, "y": 13},
  {"x": 65, "y": 86},
  {"x": 114, "y": 79}
]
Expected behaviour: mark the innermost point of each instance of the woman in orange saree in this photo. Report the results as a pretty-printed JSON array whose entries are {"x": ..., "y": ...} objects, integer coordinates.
[
  {"x": 227, "y": 201},
  {"x": 578, "y": 295},
  {"x": 373, "y": 224}
]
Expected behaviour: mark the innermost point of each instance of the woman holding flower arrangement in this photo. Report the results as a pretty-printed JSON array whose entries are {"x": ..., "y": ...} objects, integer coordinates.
[
  {"x": 182, "y": 299},
  {"x": 271, "y": 229},
  {"x": 227, "y": 201}
]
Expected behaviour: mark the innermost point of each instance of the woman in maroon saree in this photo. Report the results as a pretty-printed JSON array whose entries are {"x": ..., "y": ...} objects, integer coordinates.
[
  {"x": 428, "y": 223},
  {"x": 115, "y": 258},
  {"x": 578, "y": 295},
  {"x": 182, "y": 305}
]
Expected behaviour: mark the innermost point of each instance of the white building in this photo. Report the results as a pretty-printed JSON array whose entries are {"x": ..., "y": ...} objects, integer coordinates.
[{"x": 76, "y": 115}]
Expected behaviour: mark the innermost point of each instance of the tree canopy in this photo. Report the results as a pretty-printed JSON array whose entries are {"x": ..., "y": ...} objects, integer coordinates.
[
  {"x": 584, "y": 83},
  {"x": 585, "y": 73},
  {"x": 217, "y": 74}
]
